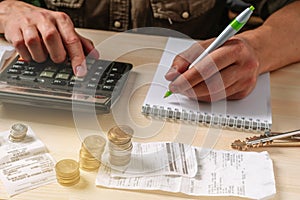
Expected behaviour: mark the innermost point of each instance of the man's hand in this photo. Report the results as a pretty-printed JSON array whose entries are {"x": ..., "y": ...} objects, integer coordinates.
[
  {"x": 37, "y": 33},
  {"x": 228, "y": 72}
]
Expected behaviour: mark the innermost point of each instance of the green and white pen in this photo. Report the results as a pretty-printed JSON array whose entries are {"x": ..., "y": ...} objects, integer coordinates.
[{"x": 227, "y": 33}]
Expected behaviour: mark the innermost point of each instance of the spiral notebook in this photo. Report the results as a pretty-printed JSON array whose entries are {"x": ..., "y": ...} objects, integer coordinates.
[{"x": 250, "y": 113}]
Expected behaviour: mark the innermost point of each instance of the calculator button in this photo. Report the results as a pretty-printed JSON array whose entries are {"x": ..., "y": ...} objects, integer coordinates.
[
  {"x": 29, "y": 73},
  {"x": 34, "y": 68},
  {"x": 94, "y": 80},
  {"x": 99, "y": 73},
  {"x": 62, "y": 76},
  {"x": 14, "y": 71},
  {"x": 111, "y": 82},
  {"x": 75, "y": 78},
  {"x": 59, "y": 82},
  {"x": 39, "y": 80},
  {"x": 108, "y": 87},
  {"x": 101, "y": 68},
  {"x": 92, "y": 86},
  {"x": 20, "y": 67},
  {"x": 46, "y": 74},
  {"x": 114, "y": 75},
  {"x": 118, "y": 67},
  {"x": 74, "y": 84},
  {"x": 21, "y": 62}
]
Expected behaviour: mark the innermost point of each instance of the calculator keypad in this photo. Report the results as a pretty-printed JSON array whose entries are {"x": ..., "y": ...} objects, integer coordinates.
[{"x": 102, "y": 78}]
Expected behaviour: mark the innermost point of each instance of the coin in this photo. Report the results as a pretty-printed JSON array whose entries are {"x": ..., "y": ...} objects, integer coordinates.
[
  {"x": 67, "y": 167},
  {"x": 120, "y": 161},
  {"x": 120, "y": 145},
  {"x": 89, "y": 165},
  {"x": 68, "y": 182},
  {"x": 67, "y": 172},
  {"x": 18, "y": 132},
  {"x": 120, "y": 134},
  {"x": 94, "y": 142},
  {"x": 91, "y": 152}
]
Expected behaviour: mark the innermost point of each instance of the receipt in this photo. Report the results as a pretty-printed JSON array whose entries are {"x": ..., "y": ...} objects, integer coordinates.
[
  {"x": 13, "y": 151},
  {"x": 219, "y": 173},
  {"x": 27, "y": 173},
  {"x": 24, "y": 165},
  {"x": 159, "y": 159}
]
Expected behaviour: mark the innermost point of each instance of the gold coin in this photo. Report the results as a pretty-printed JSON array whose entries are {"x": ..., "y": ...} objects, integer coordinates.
[
  {"x": 90, "y": 154},
  {"x": 94, "y": 142},
  {"x": 88, "y": 160},
  {"x": 68, "y": 182},
  {"x": 90, "y": 150},
  {"x": 120, "y": 134},
  {"x": 120, "y": 147},
  {"x": 66, "y": 167},
  {"x": 69, "y": 178},
  {"x": 89, "y": 164}
]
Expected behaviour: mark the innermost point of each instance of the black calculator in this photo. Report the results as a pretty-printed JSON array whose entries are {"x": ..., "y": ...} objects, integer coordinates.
[{"x": 53, "y": 85}]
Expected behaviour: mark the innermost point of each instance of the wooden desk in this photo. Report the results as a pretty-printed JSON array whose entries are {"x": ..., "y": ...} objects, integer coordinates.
[{"x": 58, "y": 131}]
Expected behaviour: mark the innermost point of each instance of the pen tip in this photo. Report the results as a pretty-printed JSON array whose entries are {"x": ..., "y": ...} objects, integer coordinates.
[
  {"x": 251, "y": 8},
  {"x": 168, "y": 93}
]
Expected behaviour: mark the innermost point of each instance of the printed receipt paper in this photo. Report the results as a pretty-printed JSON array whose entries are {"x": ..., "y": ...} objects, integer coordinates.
[
  {"x": 24, "y": 165},
  {"x": 169, "y": 167}
]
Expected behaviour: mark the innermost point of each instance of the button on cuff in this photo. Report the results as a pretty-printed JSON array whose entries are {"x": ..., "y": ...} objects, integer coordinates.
[
  {"x": 117, "y": 24},
  {"x": 185, "y": 15}
]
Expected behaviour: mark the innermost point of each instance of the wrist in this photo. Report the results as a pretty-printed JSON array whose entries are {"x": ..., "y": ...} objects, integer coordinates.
[{"x": 260, "y": 45}]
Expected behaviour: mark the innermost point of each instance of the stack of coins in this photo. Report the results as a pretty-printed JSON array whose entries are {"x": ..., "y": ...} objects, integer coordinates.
[
  {"x": 18, "y": 132},
  {"x": 120, "y": 145},
  {"x": 91, "y": 152},
  {"x": 67, "y": 172}
]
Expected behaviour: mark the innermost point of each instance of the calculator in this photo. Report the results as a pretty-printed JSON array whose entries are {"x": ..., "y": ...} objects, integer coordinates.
[{"x": 53, "y": 85}]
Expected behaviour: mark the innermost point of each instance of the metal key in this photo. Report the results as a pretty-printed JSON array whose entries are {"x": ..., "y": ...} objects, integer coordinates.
[{"x": 286, "y": 139}]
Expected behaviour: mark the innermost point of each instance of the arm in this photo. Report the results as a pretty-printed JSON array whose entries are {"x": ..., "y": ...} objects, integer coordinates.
[
  {"x": 36, "y": 33},
  {"x": 240, "y": 60},
  {"x": 277, "y": 42}
]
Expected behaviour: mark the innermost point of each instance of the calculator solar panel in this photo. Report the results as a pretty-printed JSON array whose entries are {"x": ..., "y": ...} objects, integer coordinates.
[{"x": 54, "y": 85}]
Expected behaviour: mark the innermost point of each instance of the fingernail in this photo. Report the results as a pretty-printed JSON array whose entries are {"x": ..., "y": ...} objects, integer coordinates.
[
  {"x": 80, "y": 71},
  {"x": 173, "y": 69},
  {"x": 172, "y": 73}
]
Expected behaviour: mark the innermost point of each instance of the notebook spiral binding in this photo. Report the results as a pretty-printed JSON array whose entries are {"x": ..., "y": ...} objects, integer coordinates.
[{"x": 227, "y": 121}]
